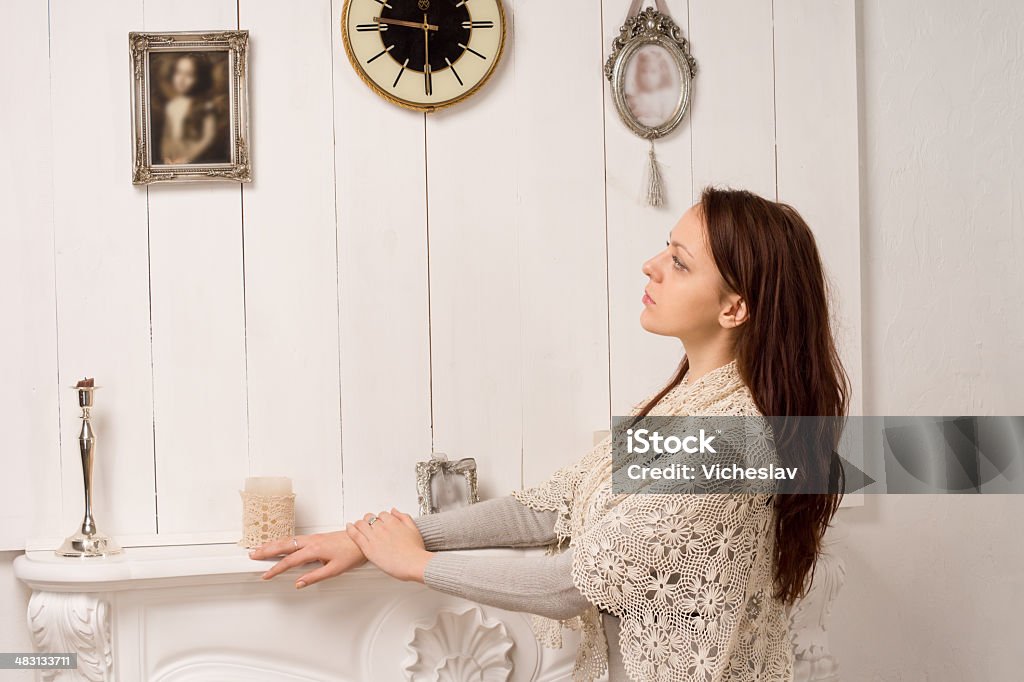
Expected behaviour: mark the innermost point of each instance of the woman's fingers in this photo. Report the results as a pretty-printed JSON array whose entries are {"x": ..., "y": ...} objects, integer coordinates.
[
  {"x": 323, "y": 573},
  {"x": 277, "y": 548},
  {"x": 394, "y": 547},
  {"x": 364, "y": 528},
  {"x": 336, "y": 549},
  {"x": 303, "y": 556},
  {"x": 374, "y": 519},
  {"x": 357, "y": 531},
  {"x": 359, "y": 538},
  {"x": 404, "y": 518}
]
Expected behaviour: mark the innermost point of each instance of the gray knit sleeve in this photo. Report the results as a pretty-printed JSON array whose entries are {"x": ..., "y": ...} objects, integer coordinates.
[
  {"x": 541, "y": 585},
  {"x": 501, "y": 522}
]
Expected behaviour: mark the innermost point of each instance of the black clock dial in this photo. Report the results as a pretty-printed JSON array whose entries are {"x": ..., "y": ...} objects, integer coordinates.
[
  {"x": 423, "y": 54},
  {"x": 442, "y": 46}
]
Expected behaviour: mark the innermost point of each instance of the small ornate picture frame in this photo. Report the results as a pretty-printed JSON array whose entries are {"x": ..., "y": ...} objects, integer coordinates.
[
  {"x": 190, "y": 107},
  {"x": 442, "y": 484},
  {"x": 650, "y": 69}
]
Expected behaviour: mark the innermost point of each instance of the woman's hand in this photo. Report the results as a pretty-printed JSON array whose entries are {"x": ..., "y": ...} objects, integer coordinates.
[
  {"x": 393, "y": 543},
  {"x": 335, "y": 551}
]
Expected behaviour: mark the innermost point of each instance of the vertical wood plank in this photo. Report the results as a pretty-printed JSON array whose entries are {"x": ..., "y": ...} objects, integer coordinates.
[
  {"x": 560, "y": 223},
  {"x": 102, "y": 268},
  {"x": 816, "y": 100},
  {"x": 198, "y": 311},
  {"x": 640, "y": 362},
  {"x": 291, "y": 269},
  {"x": 30, "y": 489},
  {"x": 475, "y": 267},
  {"x": 733, "y": 118},
  {"x": 383, "y": 292}
]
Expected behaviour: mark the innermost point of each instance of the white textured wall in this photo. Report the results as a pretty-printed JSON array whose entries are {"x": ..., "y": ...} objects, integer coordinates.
[
  {"x": 13, "y": 605},
  {"x": 935, "y": 584},
  {"x": 934, "y": 589}
]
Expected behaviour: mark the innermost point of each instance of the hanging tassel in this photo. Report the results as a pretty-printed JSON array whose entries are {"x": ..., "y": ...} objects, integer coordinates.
[{"x": 654, "y": 188}]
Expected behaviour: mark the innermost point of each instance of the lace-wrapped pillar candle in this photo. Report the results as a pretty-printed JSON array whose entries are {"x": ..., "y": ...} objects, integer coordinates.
[{"x": 268, "y": 511}]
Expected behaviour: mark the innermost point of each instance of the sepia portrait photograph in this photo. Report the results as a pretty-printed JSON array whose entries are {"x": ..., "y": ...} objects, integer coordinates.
[
  {"x": 652, "y": 86},
  {"x": 189, "y": 107}
]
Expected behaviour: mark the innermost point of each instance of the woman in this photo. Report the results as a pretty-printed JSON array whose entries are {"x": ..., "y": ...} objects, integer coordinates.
[
  {"x": 673, "y": 586},
  {"x": 190, "y": 117}
]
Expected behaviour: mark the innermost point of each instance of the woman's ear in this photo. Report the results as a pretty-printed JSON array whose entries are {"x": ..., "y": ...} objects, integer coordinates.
[{"x": 736, "y": 314}]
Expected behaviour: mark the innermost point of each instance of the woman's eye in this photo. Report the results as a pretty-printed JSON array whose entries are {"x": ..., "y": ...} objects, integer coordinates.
[{"x": 677, "y": 263}]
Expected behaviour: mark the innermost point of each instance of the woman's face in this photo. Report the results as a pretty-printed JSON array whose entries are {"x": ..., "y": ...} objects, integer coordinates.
[
  {"x": 184, "y": 77},
  {"x": 649, "y": 75},
  {"x": 686, "y": 296}
]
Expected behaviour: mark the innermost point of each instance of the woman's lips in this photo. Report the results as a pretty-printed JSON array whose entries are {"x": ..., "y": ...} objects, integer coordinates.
[{"x": 647, "y": 300}]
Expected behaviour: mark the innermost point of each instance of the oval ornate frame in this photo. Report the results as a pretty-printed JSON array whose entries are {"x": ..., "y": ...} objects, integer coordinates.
[{"x": 650, "y": 27}]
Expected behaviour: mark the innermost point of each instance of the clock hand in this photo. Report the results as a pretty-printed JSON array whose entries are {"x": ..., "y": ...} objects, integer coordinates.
[
  {"x": 411, "y": 24},
  {"x": 428, "y": 86}
]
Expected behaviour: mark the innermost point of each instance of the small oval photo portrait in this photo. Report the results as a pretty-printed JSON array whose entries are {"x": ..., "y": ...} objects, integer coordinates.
[
  {"x": 652, "y": 86},
  {"x": 190, "y": 107}
]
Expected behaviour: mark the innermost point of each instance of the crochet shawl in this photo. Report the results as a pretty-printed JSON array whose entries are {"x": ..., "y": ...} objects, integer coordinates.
[{"x": 690, "y": 576}]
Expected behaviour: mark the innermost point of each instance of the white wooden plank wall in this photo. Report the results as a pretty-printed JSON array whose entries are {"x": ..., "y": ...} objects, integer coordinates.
[
  {"x": 733, "y": 100},
  {"x": 391, "y": 283},
  {"x": 198, "y": 314},
  {"x": 818, "y": 152},
  {"x": 475, "y": 261},
  {"x": 517, "y": 257},
  {"x": 559, "y": 192},
  {"x": 291, "y": 266},
  {"x": 102, "y": 264},
  {"x": 383, "y": 292},
  {"x": 28, "y": 349}
]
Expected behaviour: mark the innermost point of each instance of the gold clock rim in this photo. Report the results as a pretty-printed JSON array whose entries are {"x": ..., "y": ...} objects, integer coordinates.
[{"x": 424, "y": 108}]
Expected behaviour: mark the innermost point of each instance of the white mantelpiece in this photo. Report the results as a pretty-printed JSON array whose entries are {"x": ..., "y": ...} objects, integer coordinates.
[
  {"x": 191, "y": 613},
  {"x": 201, "y": 613}
]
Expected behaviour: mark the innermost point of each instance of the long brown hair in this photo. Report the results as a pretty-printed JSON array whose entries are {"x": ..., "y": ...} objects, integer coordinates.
[{"x": 786, "y": 355}]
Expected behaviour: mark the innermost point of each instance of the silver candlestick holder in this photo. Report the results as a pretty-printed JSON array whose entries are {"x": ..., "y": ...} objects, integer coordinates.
[{"x": 88, "y": 541}]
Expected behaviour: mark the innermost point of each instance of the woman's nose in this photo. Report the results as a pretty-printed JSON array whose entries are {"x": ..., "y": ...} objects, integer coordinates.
[{"x": 649, "y": 268}]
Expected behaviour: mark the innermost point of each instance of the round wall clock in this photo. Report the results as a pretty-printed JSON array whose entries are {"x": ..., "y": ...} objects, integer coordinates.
[{"x": 423, "y": 54}]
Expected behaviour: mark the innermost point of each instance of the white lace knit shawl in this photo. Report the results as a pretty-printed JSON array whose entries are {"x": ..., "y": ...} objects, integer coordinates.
[{"x": 690, "y": 576}]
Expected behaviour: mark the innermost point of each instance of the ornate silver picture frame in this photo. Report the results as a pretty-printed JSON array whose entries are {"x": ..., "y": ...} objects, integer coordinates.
[
  {"x": 190, "y": 107},
  {"x": 442, "y": 484},
  {"x": 650, "y": 69}
]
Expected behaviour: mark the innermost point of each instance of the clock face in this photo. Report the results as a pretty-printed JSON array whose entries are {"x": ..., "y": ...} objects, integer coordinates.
[{"x": 423, "y": 54}]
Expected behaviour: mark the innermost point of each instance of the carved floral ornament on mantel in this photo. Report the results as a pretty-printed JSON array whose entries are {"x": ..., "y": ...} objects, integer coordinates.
[
  {"x": 460, "y": 646},
  {"x": 63, "y": 622}
]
